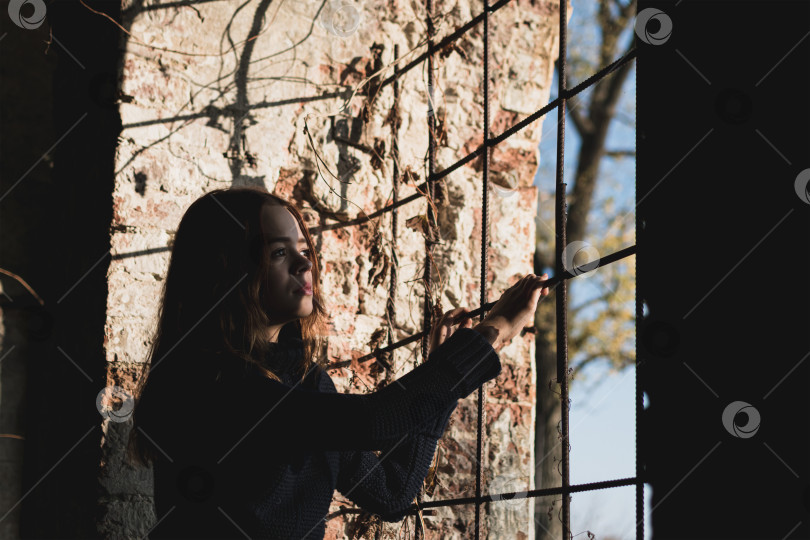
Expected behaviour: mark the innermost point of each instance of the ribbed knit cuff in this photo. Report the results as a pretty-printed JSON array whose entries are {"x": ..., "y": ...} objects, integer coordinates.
[{"x": 471, "y": 358}]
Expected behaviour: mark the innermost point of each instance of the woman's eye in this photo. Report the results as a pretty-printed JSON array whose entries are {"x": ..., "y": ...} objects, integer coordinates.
[{"x": 307, "y": 251}]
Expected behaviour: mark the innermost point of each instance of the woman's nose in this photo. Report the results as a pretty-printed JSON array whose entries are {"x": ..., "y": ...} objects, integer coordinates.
[{"x": 306, "y": 264}]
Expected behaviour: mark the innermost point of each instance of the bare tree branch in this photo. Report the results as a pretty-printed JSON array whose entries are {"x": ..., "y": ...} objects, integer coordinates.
[
  {"x": 624, "y": 361},
  {"x": 617, "y": 81},
  {"x": 601, "y": 298},
  {"x": 628, "y": 11},
  {"x": 576, "y": 342},
  {"x": 624, "y": 119},
  {"x": 577, "y": 368},
  {"x": 620, "y": 153},
  {"x": 582, "y": 123}
]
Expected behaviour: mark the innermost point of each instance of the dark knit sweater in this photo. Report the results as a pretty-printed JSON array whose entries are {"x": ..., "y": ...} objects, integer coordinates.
[{"x": 248, "y": 456}]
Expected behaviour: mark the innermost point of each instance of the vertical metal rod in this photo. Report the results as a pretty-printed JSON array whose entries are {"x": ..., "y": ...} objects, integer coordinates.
[
  {"x": 430, "y": 218},
  {"x": 562, "y": 289},
  {"x": 639, "y": 457},
  {"x": 431, "y": 168},
  {"x": 639, "y": 411},
  {"x": 392, "y": 286},
  {"x": 479, "y": 477}
]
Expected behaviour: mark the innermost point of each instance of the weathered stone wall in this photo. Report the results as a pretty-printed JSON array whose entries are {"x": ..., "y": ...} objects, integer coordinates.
[{"x": 221, "y": 111}]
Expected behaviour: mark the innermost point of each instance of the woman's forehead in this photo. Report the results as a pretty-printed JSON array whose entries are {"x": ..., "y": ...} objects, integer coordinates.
[{"x": 278, "y": 221}]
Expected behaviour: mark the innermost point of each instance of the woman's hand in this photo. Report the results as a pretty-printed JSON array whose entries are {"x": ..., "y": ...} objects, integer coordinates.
[
  {"x": 514, "y": 310},
  {"x": 444, "y": 327}
]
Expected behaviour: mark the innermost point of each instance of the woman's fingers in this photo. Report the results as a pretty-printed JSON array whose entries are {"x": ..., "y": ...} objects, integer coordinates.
[
  {"x": 545, "y": 290},
  {"x": 454, "y": 316},
  {"x": 444, "y": 327},
  {"x": 540, "y": 281},
  {"x": 453, "y": 313}
]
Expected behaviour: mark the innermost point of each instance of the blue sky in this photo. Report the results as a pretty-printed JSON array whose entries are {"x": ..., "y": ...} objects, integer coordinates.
[{"x": 602, "y": 415}]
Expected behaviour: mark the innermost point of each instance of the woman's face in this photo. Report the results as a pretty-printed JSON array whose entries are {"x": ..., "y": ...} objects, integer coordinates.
[{"x": 288, "y": 267}]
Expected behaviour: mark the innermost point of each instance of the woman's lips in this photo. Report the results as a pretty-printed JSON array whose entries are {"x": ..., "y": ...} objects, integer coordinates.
[{"x": 305, "y": 290}]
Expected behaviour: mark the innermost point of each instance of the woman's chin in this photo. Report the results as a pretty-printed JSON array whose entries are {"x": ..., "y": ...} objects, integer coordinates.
[{"x": 305, "y": 308}]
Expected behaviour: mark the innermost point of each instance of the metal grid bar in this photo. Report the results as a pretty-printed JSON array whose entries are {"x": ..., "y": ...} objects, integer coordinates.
[
  {"x": 430, "y": 186},
  {"x": 427, "y": 319},
  {"x": 562, "y": 290},
  {"x": 591, "y": 486},
  {"x": 391, "y": 312},
  {"x": 479, "y": 477}
]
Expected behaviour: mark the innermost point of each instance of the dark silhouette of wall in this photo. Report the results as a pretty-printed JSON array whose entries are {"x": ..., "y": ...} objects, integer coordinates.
[{"x": 55, "y": 225}]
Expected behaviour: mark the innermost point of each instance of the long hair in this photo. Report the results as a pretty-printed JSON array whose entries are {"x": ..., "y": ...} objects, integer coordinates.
[{"x": 211, "y": 316}]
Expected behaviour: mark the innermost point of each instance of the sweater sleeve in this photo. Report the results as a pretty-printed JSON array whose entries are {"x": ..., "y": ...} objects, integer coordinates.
[
  {"x": 386, "y": 485},
  {"x": 278, "y": 417}
]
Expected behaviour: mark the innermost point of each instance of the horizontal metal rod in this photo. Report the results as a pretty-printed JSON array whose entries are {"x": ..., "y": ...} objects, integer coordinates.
[
  {"x": 606, "y": 484},
  {"x": 535, "y": 492}
]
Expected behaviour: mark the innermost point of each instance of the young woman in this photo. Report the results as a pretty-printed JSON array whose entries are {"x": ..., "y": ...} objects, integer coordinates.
[{"x": 245, "y": 430}]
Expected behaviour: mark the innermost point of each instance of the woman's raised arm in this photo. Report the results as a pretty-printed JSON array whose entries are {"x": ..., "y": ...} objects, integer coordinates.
[{"x": 262, "y": 412}]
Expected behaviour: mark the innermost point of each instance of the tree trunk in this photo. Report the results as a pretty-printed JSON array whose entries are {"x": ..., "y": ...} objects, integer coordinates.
[{"x": 547, "y": 449}]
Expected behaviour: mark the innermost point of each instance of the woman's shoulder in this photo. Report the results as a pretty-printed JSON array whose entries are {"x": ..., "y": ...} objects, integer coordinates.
[
  {"x": 314, "y": 378},
  {"x": 323, "y": 381}
]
